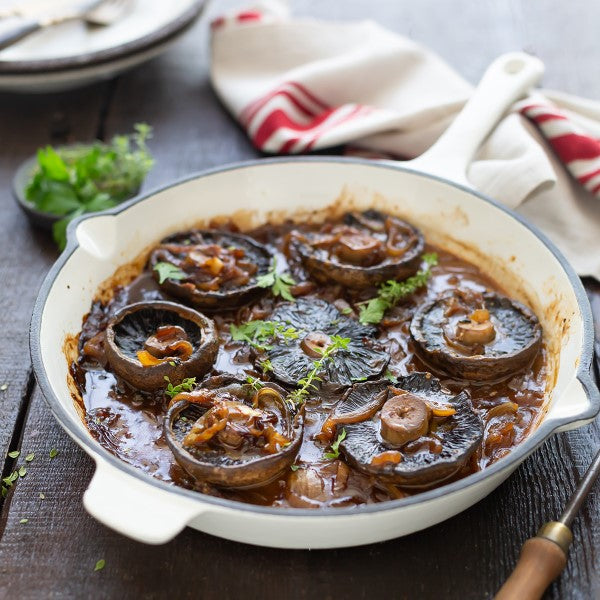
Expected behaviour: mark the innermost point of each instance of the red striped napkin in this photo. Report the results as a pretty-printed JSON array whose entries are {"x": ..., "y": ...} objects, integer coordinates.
[
  {"x": 297, "y": 85},
  {"x": 576, "y": 148}
]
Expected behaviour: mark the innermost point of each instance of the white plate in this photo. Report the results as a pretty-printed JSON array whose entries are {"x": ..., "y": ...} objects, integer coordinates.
[{"x": 72, "y": 54}]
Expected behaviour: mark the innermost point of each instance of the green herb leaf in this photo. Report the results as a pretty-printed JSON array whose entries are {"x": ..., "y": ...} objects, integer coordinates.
[
  {"x": 308, "y": 383},
  {"x": 390, "y": 376},
  {"x": 279, "y": 283},
  {"x": 11, "y": 478},
  {"x": 53, "y": 453},
  {"x": 391, "y": 292},
  {"x": 29, "y": 457},
  {"x": 23, "y": 521},
  {"x": 59, "y": 229},
  {"x": 42, "y": 496},
  {"x": 257, "y": 384},
  {"x": 187, "y": 385},
  {"x": 14, "y": 454},
  {"x": 22, "y": 471},
  {"x": 52, "y": 165},
  {"x": 88, "y": 178},
  {"x": 100, "y": 565},
  {"x": 294, "y": 467},
  {"x": 166, "y": 271},
  {"x": 335, "y": 447},
  {"x": 266, "y": 366},
  {"x": 257, "y": 332},
  {"x": 3, "y": 387}
]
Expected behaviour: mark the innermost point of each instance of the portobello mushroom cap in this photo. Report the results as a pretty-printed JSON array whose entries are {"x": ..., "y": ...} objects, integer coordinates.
[
  {"x": 451, "y": 341},
  {"x": 205, "y": 286},
  {"x": 363, "y": 252},
  {"x": 135, "y": 327},
  {"x": 316, "y": 321},
  {"x": 223, "y": 465},
  {"x": 413, "y": 464}
]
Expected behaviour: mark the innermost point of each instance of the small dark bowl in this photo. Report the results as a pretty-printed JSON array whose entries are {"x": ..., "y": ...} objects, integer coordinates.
[{"x": 38, "y": 218}]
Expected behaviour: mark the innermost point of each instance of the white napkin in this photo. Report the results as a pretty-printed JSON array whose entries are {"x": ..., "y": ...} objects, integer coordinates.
[{"x": 297, "y": 85}]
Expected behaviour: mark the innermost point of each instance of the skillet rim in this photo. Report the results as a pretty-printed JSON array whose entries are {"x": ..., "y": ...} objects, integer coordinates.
[{"x": 508, "y": 463}]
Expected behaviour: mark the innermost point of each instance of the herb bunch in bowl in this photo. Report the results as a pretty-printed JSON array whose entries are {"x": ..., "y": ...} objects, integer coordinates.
[{"x": 73, "y": 180}]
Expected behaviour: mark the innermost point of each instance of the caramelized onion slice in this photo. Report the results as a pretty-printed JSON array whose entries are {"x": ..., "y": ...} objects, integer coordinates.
[
  {"x": 367, "y": 250},
  {"x": 220, "y": 268},
  {"x": 359, "y": 403},
  {"x": 233, "y": 436}
]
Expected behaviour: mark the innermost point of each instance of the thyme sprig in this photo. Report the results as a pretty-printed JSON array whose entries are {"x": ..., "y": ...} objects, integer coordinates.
[
  {"x": 391, "y": 292},
  {"x": 187, "y": 385},
  {"x": 256, "y": 383},
  {"x": 308, "y": 383}
]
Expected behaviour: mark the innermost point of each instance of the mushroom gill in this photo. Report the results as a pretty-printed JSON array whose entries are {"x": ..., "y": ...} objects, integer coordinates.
[
  {"x": 149, "y": 341},
  {"x": 420, "y": 434},
  {"x": 316, "y": 321}
]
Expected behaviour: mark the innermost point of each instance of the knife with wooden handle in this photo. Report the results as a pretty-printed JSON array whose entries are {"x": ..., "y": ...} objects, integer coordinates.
[{"x": 544, "y": 557}]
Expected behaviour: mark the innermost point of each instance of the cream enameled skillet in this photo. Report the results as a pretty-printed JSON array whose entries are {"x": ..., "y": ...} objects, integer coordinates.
[{"x": 430, "y": 192}]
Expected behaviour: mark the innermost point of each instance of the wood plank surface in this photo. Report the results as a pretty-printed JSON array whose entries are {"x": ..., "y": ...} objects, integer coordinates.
[
  {"x": 26, "y": 123},
  {"x": 54, "y": 553}
]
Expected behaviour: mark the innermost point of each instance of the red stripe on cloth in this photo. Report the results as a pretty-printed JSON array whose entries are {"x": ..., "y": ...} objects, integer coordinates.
[
  {"x": 249, "y": 16},
  {"x": 311, "y": 136},
  {"x": 278, "y": 119},
  {"x": 359, "y": 109},
  {"x": 309, "y": 94},
  {"x": 585, "y": 178},
  {"x": 596, "y": 189},
  {"x": 251, "y": 109},
  {"x": 549, "y": 113},
  {"x": 539, "y": 119},
  {"x": 287, "y": 146},
  {"x": 573, "y": 146}
]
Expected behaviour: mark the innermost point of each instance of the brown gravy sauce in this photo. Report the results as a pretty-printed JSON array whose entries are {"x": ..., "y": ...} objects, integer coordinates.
[{"x": 128, "y": 422}]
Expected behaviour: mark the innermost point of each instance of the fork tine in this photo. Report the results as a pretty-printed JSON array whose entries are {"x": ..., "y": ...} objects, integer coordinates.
[{"x": 108, "y": 12}]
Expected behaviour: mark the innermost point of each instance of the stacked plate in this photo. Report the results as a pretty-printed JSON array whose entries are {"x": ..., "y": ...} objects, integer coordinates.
[{"x": 73, "y": 54}]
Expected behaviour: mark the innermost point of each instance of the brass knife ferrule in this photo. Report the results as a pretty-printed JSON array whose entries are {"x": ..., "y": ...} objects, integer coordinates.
[{"x": 558, "y": 533}]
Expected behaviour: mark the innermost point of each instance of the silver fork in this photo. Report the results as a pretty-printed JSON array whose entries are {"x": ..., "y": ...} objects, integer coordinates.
[
  {"x": 109, "y": 12},
  {"x": 95, "y": 12}
]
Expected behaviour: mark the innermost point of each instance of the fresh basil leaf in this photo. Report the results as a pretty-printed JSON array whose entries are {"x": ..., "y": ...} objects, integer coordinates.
[
  {"x": 52, "y": 165},
  {"x": 59, "y": 229},
  {"x": 57, "y": 197},
  {"x": 99, "y": 202}
]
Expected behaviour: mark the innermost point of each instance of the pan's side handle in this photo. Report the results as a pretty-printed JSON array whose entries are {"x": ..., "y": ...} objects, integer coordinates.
[
  {"x": 506, "y": 80},
  {"x": 136, "y": 509}
]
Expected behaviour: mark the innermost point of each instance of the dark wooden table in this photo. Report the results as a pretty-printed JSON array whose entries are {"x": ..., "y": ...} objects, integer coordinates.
[{"x": 54, "y": 553}]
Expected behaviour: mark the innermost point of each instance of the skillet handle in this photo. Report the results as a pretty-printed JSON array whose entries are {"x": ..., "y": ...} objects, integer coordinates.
[
  {"x": 506, "y": 80},
  {"x": 133, "y": 508}
]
